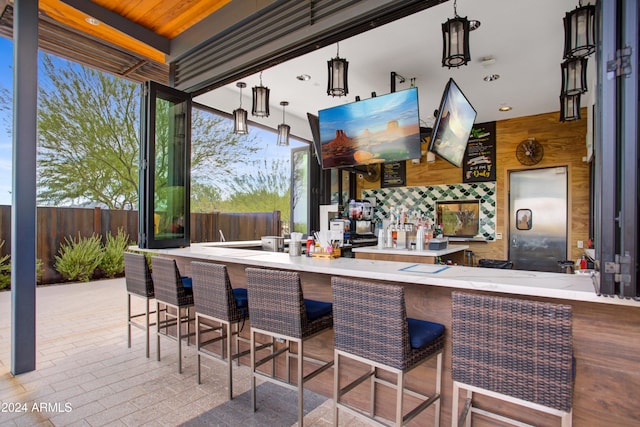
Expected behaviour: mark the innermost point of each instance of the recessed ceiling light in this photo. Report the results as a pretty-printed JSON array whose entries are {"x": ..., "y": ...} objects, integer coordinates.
[
  {"x": 505, "y": 108},
  {"x": 303, "y": 77},
  {"x": 491, "y": 77},
  {"x": 92, "y": 21}
]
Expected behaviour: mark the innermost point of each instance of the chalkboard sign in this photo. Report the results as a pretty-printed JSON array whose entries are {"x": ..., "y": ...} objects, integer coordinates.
[
  {"x": 394, "y": 174},
  {"x": 479, "y": 164}
]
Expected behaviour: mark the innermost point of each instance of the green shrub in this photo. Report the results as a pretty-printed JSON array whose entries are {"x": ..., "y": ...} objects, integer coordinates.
[
  {"x": 5, "y": 270},
  {"x": 113, "y": 260},
  {"x": 79, "y": 258}
]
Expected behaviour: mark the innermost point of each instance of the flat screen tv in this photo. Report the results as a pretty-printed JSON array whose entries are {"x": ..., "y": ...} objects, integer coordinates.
[
  {"x": 381, "y": 129},
  {"x": 453, "y": 125},
  {"x": 314, "y": 124}
]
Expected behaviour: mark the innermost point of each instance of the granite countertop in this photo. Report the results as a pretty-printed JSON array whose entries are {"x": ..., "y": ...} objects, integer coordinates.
[{"x": 556, "y": 286}]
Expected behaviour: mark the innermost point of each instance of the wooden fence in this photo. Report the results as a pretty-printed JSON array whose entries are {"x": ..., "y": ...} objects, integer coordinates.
[{"x": 54, "y": 224}]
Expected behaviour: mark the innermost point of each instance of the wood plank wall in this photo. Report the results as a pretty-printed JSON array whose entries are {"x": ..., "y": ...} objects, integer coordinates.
[{"x": 564, "y": 145}]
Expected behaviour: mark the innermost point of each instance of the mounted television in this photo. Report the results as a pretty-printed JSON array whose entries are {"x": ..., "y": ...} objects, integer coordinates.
[
  {"x": 314, "y": 124},
  {"x": 453, "y": 125},
  {"x": 376, "y": 130}
]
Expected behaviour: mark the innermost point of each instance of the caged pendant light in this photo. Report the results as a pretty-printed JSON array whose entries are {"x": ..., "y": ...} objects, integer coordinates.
[
  {"x": 455, "y": 40},
  {"x": 574, "y": 76},
  {"x": 337, "y": 84},
  {"x": 579, "y": 31},
  {"x": 240, "y": 115},
  {"x": 283, "y": 128},
  {"x": 569, "y": 107},
  {"x": 260, "y": 100}
]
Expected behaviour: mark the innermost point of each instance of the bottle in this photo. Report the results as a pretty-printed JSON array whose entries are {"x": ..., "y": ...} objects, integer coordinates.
[
  {"x": 309, "y": 246},
  {"x": 583, "y": 263},
  {"x": 420, "y": 239}
]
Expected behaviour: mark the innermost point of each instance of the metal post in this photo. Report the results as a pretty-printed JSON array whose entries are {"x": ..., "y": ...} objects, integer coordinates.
[{"x": 23, "y": 208}]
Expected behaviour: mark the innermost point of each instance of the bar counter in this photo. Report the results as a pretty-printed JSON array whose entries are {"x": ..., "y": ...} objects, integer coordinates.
[{"x": 606, "y": 330}]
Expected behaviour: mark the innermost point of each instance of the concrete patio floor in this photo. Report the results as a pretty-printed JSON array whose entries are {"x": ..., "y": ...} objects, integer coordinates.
[{"x": 86, "y": 375}]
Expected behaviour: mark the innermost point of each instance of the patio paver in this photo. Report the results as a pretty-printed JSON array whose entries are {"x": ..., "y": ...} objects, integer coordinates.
[{"x": 86, "y": 375}]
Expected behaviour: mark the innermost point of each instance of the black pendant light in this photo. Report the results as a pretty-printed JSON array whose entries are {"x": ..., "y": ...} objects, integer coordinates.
[
  {"x": 240, "y": 116},
  {"x": 337, "y": 84},
  {"x": 283, "y": 128},
  {"x": 455, "y": 40},
  {"x": 569, "y": 107},
  {"x": 260, "y": 100},
  {"x": 574, "y": 76},
  {"x": 579, "y": 31}
]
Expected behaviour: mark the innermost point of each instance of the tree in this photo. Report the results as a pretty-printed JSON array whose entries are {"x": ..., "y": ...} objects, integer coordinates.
[
  {"x": 88, "y": 125},
  {"x": 265, "y": 191}
]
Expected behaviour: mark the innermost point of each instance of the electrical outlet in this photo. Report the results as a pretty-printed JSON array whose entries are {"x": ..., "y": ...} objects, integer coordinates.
[
  {"x": 580, "y": 244},
  {"x": 498, "y": 236}
]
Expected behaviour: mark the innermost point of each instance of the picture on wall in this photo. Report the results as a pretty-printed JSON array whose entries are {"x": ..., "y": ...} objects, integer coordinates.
[{"x": 459, "y": 218}]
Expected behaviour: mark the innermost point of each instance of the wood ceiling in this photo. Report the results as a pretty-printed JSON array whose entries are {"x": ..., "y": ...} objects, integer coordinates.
[
  {"x": 116, "y": 47},
  {"x": 167, "y": 18}
]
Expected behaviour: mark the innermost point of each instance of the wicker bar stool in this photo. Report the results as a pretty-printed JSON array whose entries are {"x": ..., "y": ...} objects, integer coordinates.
[
  {"x": 175, "y": 292},
  {"x": 371, "y": 327},
  {"x": 140, "y": 285},
  {"x": 514, "y": 350},
  {"x": 279, "y": 310},
  {"x": 219, "y": 308}
]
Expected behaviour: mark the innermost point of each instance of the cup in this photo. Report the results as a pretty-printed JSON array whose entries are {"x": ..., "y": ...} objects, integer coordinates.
[{"x": 295, "y": 248}]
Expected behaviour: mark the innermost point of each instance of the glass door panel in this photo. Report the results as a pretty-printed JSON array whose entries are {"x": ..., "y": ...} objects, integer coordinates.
[{"x": 165, "y": 172}]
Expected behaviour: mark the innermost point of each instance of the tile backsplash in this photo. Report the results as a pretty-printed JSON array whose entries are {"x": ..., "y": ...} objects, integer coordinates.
[{"x": 423, "y": 199}]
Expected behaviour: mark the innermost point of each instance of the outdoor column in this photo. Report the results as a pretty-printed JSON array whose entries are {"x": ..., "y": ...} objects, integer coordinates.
[{"x": 23, "y": 207}]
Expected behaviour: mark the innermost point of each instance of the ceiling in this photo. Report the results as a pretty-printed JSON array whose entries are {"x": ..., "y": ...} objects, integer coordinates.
[{"x": 519, "y": 40}]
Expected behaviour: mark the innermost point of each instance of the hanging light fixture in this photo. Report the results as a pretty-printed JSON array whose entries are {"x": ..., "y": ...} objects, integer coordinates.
[
  {"x": 455, "y": 40},
  {"x": 260, "y": 100},
  {"x": 240, "y": 116},
  {"x": 337, "y": 84},
  {"x": 574, "y": 76},
  {"x": 283, "y": 128},
  {"x": 579, "y": 31},
  {"x": 569, "y": 107}
]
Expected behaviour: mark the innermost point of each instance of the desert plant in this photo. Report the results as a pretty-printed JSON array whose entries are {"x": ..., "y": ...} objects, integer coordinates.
[
  {"x": 5, "y": 270},
  {"x": 113, "y": 260},
  {"x": 79, "y": 258}
]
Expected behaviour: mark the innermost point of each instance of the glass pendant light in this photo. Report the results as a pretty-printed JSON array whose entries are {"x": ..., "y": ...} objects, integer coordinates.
[
  {"x": 579, "y": 31},
  {"x": 260, "y": 100},
  {"x": 283, "y": 128},
  {"x": 337, "y": 83},
  {"x": 240, "y": 116}
]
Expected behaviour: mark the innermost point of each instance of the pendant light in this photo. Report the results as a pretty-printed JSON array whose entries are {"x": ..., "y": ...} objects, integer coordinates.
[
  {"x": 283, "y": 128},
  {"x": 240, "y": 116},
  {"x": 337, "y": 84},
  {"x": 574, "y": 76},
  {"x": 455, "y": 40},
  {"x": 569, "y": 107},
  {"x": 260, "y": 100},
  {"x": 579, "y": 31}
]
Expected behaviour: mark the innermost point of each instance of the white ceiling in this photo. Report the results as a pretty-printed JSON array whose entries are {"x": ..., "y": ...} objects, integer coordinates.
[{"x": 525, "y": 37}]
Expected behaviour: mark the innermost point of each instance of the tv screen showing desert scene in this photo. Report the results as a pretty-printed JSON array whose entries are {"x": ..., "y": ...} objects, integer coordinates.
[{"x": 376, "y": 130}]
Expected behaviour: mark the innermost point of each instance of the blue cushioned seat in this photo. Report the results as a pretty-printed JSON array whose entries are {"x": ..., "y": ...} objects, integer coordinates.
[
  {"x": 423, "y": 333},
  {"x": 240, "y": 294},
  {"x": 317, "y": 309}
]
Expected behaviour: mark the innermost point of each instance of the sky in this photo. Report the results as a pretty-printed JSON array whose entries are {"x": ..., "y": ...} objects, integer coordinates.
[
  {"x": 6, "y": 81},
  {"x": 268, "y": 140}
]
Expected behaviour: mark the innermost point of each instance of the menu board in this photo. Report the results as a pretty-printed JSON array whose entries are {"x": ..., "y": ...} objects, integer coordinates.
[
  {"x": 479, "y": 164},
  {"x": 394, "y": 174}
]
